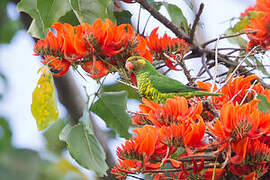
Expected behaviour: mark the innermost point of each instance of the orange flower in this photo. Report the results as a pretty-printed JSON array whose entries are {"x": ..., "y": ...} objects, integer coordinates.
[
  {"x": 142, "y": 146},
  {"x": 111, "y": 39},
  {"x": 237, "y": 123},
  {"x": 67, "y": 44},
  {"x": 74, "y": 46},
  {"x": 57, "y": 66},
  {"x": 260, "y": 6},
  {"x": 208, "y": 174},
  {"x": 174, "y": 110},
  {"x": 97, "y": 69},
  {"x": 167, "y": 45},
  {"x": 125, "y": 167},
  {"x": 66, "y": 47},
  {"x": 146, "y": 140},
  {"x": 50, "y": 46},
  {"x": 141, "y": 49},
  {"x": 184, "y": 134},
  {"x": 260, "y": 24},
  {"x": 256, "y": 160},
  {"x": 234, "y": 91}
]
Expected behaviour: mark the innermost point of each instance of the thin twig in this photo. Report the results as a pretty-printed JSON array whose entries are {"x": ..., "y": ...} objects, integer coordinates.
[
  {"x": 236, "y": 68},
  {"x": 135, "y": 177},
  {"x": 248, "y": 91},
  {"x": 196, "y": 21},
  {"x": 130, "y": 85},
  {"x": 222, "y": 74},
  {"x": 205, "y": 65},
  {"x": 96, "y": 94},
  {"x": 216, "y": 66},
  {"x": 132, "y": 112},
  {"x": 229, "y": 48},
  {"x": 146, "y": 24},
  {"x": 138, "y": 22},
  {"x": 181, "y": 62},
  {"x": 226, "y": 36},
  {"x": 174, "y": 170},
  {"x": 235, "y": 95}
]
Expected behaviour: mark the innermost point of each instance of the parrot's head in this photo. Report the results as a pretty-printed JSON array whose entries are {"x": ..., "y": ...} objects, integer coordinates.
[{"x": 137, "y": 64}]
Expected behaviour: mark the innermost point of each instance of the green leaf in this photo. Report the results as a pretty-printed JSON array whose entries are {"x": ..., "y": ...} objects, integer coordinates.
[
  {"x": 240, "y": 25},
  {"x": 83, "y": 146},
  {"x": 88, "y": 11},
  {"x": 111, "y": 107},
  {"x": 123, "y": 17},
  {"x": 51, "y": 10},
  {"x": 176, "y": 15},
  {"x": 116, "y": 87},
  {"x": 44, "y": 107},
  {"x": 52, "y": 137},
  {"x": 263, "y": 105},
  {"x": 69, "y": 18},
  {"x": 236, "y": 40},
  {"x": 5, "y": 135},
  {"x": 19, "y": 164},
  {"x": 30, "y": 7},
  {"x": 110, "y": 12},
  {"x": 36, "y": 29}
]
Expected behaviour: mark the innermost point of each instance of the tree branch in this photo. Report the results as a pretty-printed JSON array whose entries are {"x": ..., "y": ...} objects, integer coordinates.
[
  {"x": 178, "y": 32},
  {"x": 196, "y": 21}
]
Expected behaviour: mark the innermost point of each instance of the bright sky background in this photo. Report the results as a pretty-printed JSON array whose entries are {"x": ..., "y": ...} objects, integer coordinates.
[{"x": 20, "y": 66}]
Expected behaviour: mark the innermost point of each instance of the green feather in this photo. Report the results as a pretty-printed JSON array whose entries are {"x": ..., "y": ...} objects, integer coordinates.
[{"x": 156, "y": 87}]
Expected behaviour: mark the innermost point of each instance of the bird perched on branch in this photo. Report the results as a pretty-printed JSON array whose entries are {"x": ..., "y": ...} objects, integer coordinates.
[{"x": 156, "y": 87}]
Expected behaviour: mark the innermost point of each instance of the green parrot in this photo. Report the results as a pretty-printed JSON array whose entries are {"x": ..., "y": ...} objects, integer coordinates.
[{"x": 156, "y": 87}]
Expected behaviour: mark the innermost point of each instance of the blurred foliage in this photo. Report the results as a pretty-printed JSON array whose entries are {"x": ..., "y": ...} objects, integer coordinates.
[{"x": 8, "y": 26}]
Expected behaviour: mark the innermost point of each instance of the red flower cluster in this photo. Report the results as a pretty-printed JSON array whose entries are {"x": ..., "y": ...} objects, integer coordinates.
[
  {"x": 258, "y": 24},
  {"x": 101, "y": 48},
  {"x": 168, "y": 128},
  {"x": 175, "y": 133},
  {"x": 170, "y": 46},
  {"x": 96, "y": 48},
  {"x": 237, "y": 90}
]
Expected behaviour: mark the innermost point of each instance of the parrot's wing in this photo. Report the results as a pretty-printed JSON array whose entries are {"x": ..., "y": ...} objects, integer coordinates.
[{"x": 165, "y": 84}]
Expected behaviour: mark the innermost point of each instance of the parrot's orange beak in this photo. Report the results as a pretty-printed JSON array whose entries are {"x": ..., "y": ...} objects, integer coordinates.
[{"x": 129, "y": 66}]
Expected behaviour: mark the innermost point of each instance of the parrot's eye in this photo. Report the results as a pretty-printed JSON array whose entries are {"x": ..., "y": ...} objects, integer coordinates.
[{"x": 135, "y": 59}]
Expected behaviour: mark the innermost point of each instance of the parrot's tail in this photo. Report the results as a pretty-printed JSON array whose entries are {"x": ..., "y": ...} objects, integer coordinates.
[
  {"x": 203, "y": 93},
  {"x": 196, "y": 93}
]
